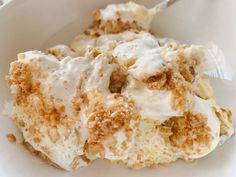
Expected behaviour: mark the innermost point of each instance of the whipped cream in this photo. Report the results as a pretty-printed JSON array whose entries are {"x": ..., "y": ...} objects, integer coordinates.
[
  {"x": 61, "y": 51},
  {"x": 143, "y": 54},
  {"x": 205, "y": 107},
  {"x": 147, "y": 104},
  {"x": 128, "y": 12}
]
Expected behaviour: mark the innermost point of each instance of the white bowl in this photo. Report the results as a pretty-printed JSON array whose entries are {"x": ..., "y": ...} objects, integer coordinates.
[{"x": 31, "y": 24}]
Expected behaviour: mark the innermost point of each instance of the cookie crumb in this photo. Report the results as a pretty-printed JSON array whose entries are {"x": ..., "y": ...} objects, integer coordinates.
[{"x": 11, "y": 138}]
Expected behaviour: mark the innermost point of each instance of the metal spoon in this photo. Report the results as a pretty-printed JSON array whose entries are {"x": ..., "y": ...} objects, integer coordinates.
[{"x": 163, "y": 5}]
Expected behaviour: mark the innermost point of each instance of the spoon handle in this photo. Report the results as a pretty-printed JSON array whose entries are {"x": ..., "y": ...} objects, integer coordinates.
[
  {"x": 163, "y": 5},
  {"x": 170, "y": 2}
]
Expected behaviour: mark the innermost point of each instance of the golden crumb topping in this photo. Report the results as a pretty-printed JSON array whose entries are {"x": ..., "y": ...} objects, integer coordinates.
[
  {"x": 39, "y": 110},
  {"x": 169, "y": 80},
  {"x": 113, "y": 26},
  {"x": 186, "y": 131},
  {"x": 21, "y": 76},
  {"x": 104, "y": 120},
  {"x": 187, "y": 67}
]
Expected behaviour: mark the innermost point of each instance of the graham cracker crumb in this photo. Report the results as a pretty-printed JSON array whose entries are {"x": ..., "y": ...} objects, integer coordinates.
[
  {"x": 117, "y": 80},
  {"x": 169, "y": 80},
  {"x": 11, "y": 138},
  {"x": 31, "y": 100},
  {"x": 187, "y": 67},
  {"x": 183, "y": 132},
  {"x": 113, "y": 26},
  {"x": 104, "y": 121}
]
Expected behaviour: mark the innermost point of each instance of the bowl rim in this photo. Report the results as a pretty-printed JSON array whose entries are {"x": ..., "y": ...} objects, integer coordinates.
[{"x": 4, "y": 3}]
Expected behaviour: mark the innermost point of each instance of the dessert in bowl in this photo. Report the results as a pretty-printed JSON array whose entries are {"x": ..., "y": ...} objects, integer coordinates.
[{"x": 119, "y": 93}]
